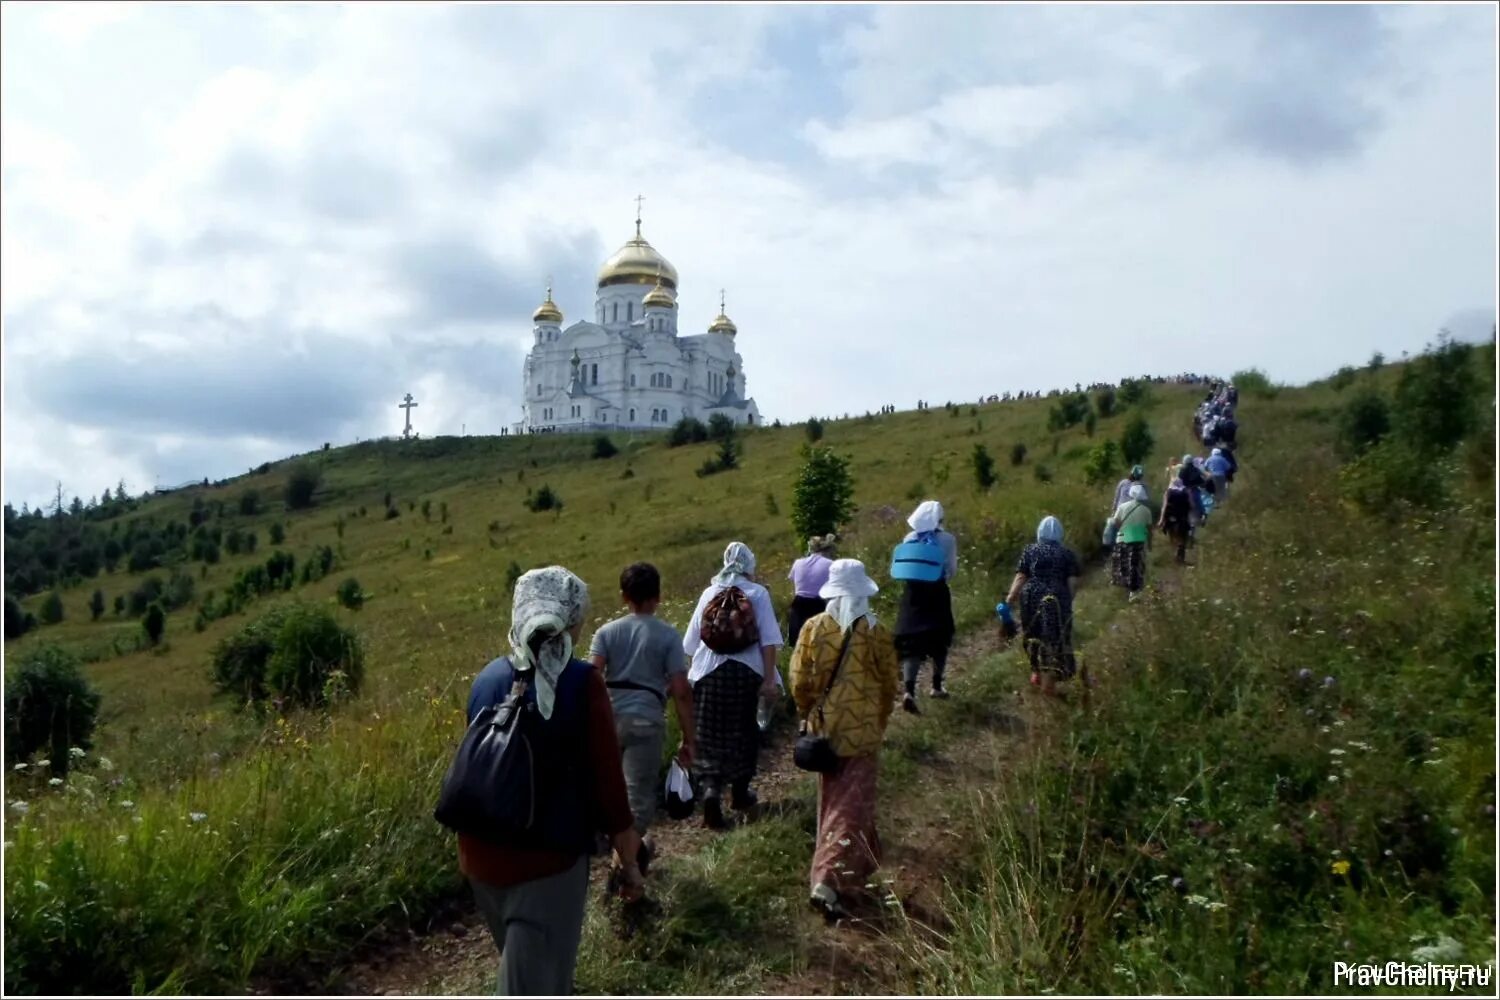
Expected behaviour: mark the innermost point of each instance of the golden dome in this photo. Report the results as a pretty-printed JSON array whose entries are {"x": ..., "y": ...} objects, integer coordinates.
[
  {"x": 638, "y": 263},
  {"x": 658, "y": 298},
  {"x": 547, "y": 312},
  {"x": 722, "y": 323}
]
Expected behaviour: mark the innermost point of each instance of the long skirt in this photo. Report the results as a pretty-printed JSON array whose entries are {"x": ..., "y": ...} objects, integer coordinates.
[
  {"x": 1127, "y": 566},
  {"x": 1048, "y": 626},
  {"x": 848, "y": 847},
  {"x": 924, "y": 621},
  {"x": 724, "y": 705},
  {"x": 802, "y": 609}
]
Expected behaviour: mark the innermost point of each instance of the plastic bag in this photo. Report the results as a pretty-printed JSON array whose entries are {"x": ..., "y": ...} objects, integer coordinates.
[{"x": 679, "y": 792}]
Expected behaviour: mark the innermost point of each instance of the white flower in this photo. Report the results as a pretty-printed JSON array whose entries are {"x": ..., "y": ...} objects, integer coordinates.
[
  {"x": 44, "y": 763},
  {"x": 1216, "y": 905},
  {"x": 76, "y": 752},
  {"x": 121, "y": 839},
  {"x": 41, "y": 885},
  {"x": 21, "y": 766},
  {"x": 20, "y": 807},
  {"x": 128, "y": 804},
  {"x": 1333, "y": 777},
  {"x": 197, "y": 817},
  {"x": 105, "y": 764},
  {"x": 1197, "y": 900},
  {"x": 1337, "y": 752},
  {"x": 54, "y": 782},
  {"x": 1181, "y": 800}
]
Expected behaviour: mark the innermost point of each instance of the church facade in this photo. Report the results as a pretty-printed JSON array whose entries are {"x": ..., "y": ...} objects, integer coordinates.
[{"x": 628, "y": 367}]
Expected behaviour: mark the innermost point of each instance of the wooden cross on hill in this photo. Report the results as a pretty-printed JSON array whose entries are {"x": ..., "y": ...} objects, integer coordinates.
[{"x": 406, "y": 405}]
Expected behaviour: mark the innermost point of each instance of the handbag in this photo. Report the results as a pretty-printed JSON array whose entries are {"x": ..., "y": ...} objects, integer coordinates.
[
  {"x": 815, "y": 753},
  {"x": 1110, "y": 528}
]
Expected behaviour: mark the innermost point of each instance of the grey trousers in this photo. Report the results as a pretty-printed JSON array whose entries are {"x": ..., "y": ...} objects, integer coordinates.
[
  {"x": 537, "y": 927},
  {"x": 641, "y": 740}
]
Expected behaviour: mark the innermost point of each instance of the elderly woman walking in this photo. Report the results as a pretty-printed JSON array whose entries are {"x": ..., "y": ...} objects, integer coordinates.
[
  {"x": 844, "y": 680},
  {"x": 533, "y": 898},
  {"x": 1132, "y": 520},
  {"x": 733, "y": 640},
  {"x": 1123, "y": 487},
  {"x": 1046, "y": 579},
  {"x": 808, "y": 575},
  {"x": 924, "y": 624}
]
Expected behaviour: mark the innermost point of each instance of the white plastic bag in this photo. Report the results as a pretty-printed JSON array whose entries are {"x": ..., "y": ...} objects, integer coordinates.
[{"x": 679, "y": 792}]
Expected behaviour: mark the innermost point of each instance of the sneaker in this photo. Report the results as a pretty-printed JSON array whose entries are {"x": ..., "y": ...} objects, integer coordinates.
[
  {"x": 939, "y": 694},
  {"x": 713, "y": 813},
  {"x": 744, "y": 802},
  {"x": 826, "y": 901},
  {"x": 909, "y": 703}
]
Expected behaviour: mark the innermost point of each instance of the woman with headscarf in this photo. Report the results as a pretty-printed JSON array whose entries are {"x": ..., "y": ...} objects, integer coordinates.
[
  {"x": 808, "y": 575},
  {"x": 844, "y": 679},
  {"x": 1217, "y": 466},
  {"x": 924, "y": 623},
  {"x": 1176, "y": 520},
  {"x": 726, "y": 688},
  {"x": 1132, "y": 521},
  {"x": 533, "y": 899},
  {"x": 1046, "y": 577},
  {"x": 1122, "y": 488}
]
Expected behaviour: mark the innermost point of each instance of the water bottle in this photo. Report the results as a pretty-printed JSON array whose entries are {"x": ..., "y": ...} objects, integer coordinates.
[
  {"x": 1002, "y": 612},
  {"x": 763, "y": 713}
]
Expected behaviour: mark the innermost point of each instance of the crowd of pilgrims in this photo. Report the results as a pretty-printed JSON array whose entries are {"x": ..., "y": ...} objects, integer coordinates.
[{"x": 597, "y": 717}]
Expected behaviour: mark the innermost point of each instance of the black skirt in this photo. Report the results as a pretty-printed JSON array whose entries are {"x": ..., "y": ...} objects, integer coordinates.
[
  {"x": 924, "y": 625},
  {"x": 724, "y": 705},
  {"x": 803, "y": 610}
]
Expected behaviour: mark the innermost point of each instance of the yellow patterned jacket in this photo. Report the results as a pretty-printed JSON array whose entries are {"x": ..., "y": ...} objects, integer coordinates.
[{"x": 858, "y": 707}]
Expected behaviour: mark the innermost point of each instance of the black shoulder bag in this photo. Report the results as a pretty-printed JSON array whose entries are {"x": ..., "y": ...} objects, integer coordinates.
[{"x": 815, "y": 753}]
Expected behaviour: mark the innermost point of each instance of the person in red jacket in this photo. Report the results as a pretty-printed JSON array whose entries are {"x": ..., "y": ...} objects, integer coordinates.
[{"x": 533, "y": 899}]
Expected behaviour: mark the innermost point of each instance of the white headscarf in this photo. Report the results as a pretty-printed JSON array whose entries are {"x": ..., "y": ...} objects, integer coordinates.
[
  {"x": 550, "y": 601},
  {"x": 1050, "y": 530},
  {"x": 848, "y": 590},
  {"x": 1138, "y": 492},
  {"x": 739, "y": 564},
  {"x": 927, "y": 517}
]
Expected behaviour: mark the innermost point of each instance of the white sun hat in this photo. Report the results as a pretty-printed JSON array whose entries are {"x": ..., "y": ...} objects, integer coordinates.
[{"x": 847, "y": 578}]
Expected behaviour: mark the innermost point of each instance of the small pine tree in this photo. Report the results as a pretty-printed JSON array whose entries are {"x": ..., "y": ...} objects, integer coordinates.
[
  {"x": 96, "y": 604},
  {"x": 155, "y": 623},
  {"x": 604, "y": 447},
  {"x": 1136, "y": 442},
  {"x": 301, "y": 484},
  {"x": 277, "y": 533},
  {"x": 52, "y": 609},
  {"x": 984, "y": 467},
  {"x": 823, "y": 497},
  {"x": 427, "y": 510},
  {"x": 815, "y": 430},
  {"x": 1365, "y": 420},
  {"x": 1018, "y": 453}
]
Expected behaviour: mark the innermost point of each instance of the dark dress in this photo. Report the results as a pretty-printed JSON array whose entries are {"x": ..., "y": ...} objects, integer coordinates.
[
  {"x": 924, "y": 625},
  {"x": 803, "y": 609},
  {"x": 1047, "y": 606},
  {"x": 728, "y": 739}
]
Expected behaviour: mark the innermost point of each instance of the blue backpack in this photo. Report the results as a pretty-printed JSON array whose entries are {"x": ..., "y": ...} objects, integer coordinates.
[
  {"x": 519, "y": 780},
  {"x": 920, "y": 561}
]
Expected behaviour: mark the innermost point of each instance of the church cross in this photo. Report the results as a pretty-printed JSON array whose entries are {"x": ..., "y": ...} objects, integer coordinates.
[
  {"x": 406, "y": 405},
  {"x": 638, "y": 199},
  {"x": 721, "y": 302}
]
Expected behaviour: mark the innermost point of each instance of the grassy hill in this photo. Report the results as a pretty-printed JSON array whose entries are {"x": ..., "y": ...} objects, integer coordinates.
[{"x": 220, "y": 845}]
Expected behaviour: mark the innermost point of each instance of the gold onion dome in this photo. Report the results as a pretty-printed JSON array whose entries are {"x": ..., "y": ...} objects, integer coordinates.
[
  {"x": 722, "y": 323},
  {"x": 547, "y": 312},
  {"x": 658, "y": 298},
  {"x": 638, "y": 263}
]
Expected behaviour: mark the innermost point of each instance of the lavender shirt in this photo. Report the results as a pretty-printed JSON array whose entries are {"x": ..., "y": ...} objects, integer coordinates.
[{"x": 809, "y": 574}]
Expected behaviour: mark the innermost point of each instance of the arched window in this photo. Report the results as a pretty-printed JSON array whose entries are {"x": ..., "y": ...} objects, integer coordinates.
[
  {"x": 669, "y": 381},
  {"x": 538, "y": 388},
  {"x": 629, "y": 312},
  {"x": 632, "y": 416},
  {"x": 595, "y": 374},
  {"x": 632, "y": 385},
  {"x": 617, "y": 312}
]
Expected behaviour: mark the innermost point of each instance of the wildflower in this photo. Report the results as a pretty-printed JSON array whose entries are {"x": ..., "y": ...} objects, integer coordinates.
[
  {"x": 1216, "y": 905},
  {"x": 1337, "y": 752},
  {"x": 44, "y": 763},
  {"x": 21, "y": 766},
  {"x": 1340, "y": 867},
  {"x": 1197, "y": 900},
  {"x": 197, "y": 817},
  {"x": 19, "y": 806},
  {"x": 1333, "y": 778},
  {"x": 77, "y": 753},
  {"x": 1181, "y": 800},
  {"x": 121, "y": 839},
  {"x": 127, "y": 804},
  {"x": 105, "y": 764},
  {"x": 54, "y": 782}
]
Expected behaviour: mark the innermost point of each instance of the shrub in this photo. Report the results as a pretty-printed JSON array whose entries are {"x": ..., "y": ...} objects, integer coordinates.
[
  {"x": 1104, "y": 402},
  {"x": 427, "y": 510},
  {"x": 391, "y": 513},
  {"x": 51, "y": 611},
  {"x": 984, "y": 467},
  {"x": 688, "y": 430},
  {"x": 772, "y": 507},
  {"x": 1018, "y": 453},
  {"x": 1137, "y": 441},
  {"x": 604, "y": 447},
  {"x": 49, "y": 706},
  {"x": 1090, "y": 423},
  {"x": 250, "y": 503},
  {"x": 1434, "y": 402},
  {"x": 823, "y": 497},
  {"x": 1072, "y": 411},
  {"x": 1365, "y": 420},
  {"x": 1103, "y": 459},
  {"x": 720, "y": 428},
  {"x": 1393, "y": 472},
  {"x": 443, "y": 512},
  {"x": 350, "y": 595},
  {"x": 301, "y": 484},
  {"x": 155, "y": 623},
  {"x": 1254, "y": 382},
  {"x": 1042, "y": 473},
  {"x": 1377, "y": 362},
  {"x": 814, "y": 430},
  {"x": 544, "y": 499},
  {"x": 1132, "y": 392},
  {"x": 296, "y": 653},
  {"x": 1342, "y": 379},
  {"x": 727, "y": 458},
  {"x": 18, "y": 621},
  {"x": 119, "y": 604}
]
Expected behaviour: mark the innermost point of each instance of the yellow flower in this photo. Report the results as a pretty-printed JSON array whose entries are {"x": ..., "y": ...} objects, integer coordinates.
[{"x": 1341, "y": 867}]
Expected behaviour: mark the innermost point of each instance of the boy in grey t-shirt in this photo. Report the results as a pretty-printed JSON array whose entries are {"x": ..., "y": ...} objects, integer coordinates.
[{"x": 642, "y": 660}]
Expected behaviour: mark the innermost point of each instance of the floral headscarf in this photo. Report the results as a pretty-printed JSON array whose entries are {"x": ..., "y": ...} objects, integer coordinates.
[
  {"x": 739, "y": 564},
  {"x": 549, "y": 601}
]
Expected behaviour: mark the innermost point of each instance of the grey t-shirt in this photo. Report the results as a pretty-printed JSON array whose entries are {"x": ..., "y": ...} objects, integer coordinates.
[{"x": 644, "y": 650}]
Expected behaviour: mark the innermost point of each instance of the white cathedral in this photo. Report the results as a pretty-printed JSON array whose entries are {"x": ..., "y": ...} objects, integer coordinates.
[{"x": 628, "y": 368}]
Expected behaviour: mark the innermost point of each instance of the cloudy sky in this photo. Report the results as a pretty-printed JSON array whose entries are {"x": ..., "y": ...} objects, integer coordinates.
[{"x": 231, "y": 234}]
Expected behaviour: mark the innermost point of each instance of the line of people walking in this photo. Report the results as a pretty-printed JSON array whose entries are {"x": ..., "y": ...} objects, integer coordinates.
[{"x": 562, "y": 758}]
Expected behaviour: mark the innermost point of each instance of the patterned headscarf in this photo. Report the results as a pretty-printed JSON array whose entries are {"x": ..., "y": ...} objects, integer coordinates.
[
  {"x": 927, "y": 517},
  {"x": 1050, "y": 530},
  {"x": 739, "y": 564},
  {"x": 550, "y": 602}
]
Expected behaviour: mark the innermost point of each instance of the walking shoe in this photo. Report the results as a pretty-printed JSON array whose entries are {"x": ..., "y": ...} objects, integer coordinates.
[
  {"x": 644, "y": 856},
  {"x": 744, "y": 801},
  {"x": 939, "y": 693},
  {"x": 909, "y": 703},
  {"x": 713, "y": 813},
  {"x": 826, "y": 901}
]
